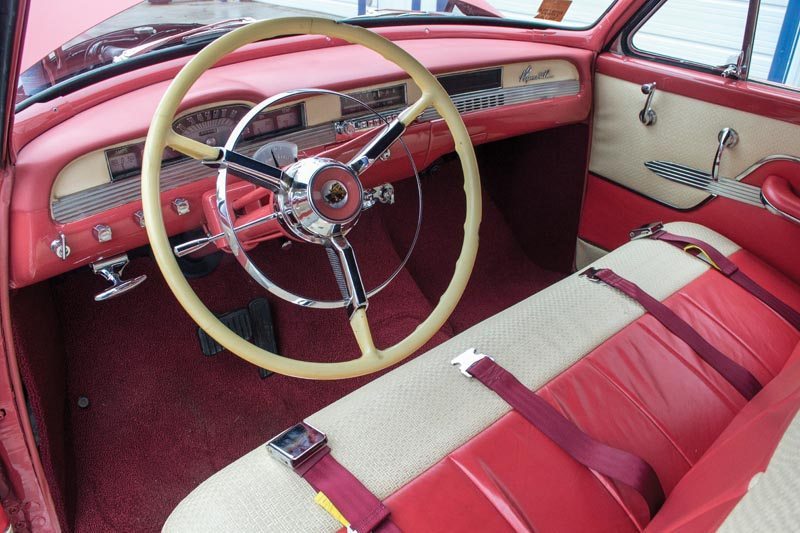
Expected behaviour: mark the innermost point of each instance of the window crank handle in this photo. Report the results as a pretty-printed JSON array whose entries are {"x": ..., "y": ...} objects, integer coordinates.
[
  {"x": 728, "y": 138},
  {"x": 647, "y": 115}
]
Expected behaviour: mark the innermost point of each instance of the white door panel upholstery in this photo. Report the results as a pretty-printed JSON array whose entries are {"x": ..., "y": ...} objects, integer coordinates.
[
  {"x": 685, "y": 132},
  {"x": 396, "y": 427}
]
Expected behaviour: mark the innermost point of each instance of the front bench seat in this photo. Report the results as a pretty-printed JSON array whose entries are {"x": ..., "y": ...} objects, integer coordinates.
[{"x": 445, "y": 453}]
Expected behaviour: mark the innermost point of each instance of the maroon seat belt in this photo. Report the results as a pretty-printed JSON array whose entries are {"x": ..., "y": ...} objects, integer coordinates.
[
  {"x": 723, "y": 265},
  {"x": 617, "y": 464},
  {"x": 303, "y": 448},
  {"x": 738, "y": 376},
  {"x": 363, "y": 510}
]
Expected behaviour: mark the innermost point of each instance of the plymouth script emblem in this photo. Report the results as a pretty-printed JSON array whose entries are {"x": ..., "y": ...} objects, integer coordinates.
[{"x": 529, "y": 75}]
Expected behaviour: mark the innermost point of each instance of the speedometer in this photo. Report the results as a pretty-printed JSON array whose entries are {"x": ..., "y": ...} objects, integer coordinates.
[
  {"x": 214, "y": 125},
  {"x": 278, "y": 153},
  {"x": 211, "y": 126}
]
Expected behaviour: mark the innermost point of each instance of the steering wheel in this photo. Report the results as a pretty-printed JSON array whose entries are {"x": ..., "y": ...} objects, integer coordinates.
[{"x": 328, "y": 191}]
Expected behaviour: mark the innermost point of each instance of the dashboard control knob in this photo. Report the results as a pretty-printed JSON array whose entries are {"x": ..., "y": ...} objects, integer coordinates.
[
  {"x": 345, "y": 127},
  {"x": 102, "y": 232},
  {"x": 181, "y": 206},
  {"x": 60, "y": 247},
  {"x": 138, "y": 217}
]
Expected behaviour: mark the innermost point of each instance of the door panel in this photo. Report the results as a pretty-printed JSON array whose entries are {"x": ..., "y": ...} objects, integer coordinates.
[
  {"x": 685, "y": 132},
  {"x": 691, "y": 107}
]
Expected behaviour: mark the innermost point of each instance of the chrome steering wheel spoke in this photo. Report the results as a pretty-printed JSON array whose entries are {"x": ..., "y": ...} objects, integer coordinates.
[
  {"x": 317, "y": 200},
  {"x": 249, "y": 169},
  {"x": 348, "y": 276},
  {"x": 387, "y": 136},
  {"x": 377, "y": 146}
]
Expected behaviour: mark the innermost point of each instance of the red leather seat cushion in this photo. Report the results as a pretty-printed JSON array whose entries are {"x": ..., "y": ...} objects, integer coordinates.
[
  {"x": 643, "y": 390},
  {"x": 710, "y": 490}
]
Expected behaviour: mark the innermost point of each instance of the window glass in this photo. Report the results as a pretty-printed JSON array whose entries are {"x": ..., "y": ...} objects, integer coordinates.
[
  {"x": 708, "y": 32},
  {"x": 711, "y": 33},
  {"x": 775, "y": 57}
]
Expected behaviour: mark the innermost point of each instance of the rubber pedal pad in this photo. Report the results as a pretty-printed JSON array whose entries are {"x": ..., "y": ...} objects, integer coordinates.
[
  {"x": 253, "y": 324},
  {"x": 237, "y": 321}
]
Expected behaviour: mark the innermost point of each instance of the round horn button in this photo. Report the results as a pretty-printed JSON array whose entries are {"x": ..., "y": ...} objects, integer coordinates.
[{"x": 336, "y": 193}]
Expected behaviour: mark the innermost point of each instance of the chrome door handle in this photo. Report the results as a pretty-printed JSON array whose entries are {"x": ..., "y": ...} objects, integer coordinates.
[
  {"x": 647, "y": 115},
  {"x": 728, "y": 138}
]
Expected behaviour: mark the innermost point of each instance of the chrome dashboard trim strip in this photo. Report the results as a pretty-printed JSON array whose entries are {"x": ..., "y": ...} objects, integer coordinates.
[{"x": 95, "y": 200}]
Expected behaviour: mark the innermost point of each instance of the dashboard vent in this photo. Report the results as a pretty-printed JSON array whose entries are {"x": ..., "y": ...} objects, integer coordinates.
[
  {"x": 489, "y": 98},
  {"x": 476, "y": 103}
]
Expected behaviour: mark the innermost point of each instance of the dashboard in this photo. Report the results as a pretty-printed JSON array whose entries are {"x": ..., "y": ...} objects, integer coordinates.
[{"x": 87, "y": 194}]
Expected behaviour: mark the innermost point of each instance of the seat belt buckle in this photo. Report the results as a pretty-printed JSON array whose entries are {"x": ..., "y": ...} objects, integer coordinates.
[
  {"x": 467, "y": 359},
  {"x": 591, "y": 274},
  {"x": 297, "y": 445},
  {"x": 646, "y": 231}
]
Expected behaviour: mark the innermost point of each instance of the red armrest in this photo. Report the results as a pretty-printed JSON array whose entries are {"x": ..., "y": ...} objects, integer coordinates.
[{"x": 780, "y": 195}]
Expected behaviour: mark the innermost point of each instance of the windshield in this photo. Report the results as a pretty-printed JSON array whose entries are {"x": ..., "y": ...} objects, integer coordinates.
[{"x": 153, "y": 25}]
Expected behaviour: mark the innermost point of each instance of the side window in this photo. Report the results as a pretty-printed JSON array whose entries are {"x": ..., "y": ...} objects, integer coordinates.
[
  {"x": 714, "y": 34},
  {"x": 775, "y": 56},
  {"x": 706, "y": 32}
]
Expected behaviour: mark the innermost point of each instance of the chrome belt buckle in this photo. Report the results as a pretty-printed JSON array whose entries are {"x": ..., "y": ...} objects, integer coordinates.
[
  {"x": 646, "y": 231},
  {"x": 297, "y": 444},
  {"x": 467, "y": 359}
]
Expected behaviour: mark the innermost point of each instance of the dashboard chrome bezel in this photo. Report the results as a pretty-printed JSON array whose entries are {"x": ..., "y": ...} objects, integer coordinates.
[{"x": 139, "y": 145}]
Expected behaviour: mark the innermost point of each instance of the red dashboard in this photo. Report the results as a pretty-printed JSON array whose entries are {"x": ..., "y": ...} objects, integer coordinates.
[{"x": 77, "y": 173}]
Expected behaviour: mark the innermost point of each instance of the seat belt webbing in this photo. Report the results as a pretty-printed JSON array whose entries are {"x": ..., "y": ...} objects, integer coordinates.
[
  {"x": 738, "y": 376},
  {"x": 617, "y": 464},
  {"x": 727, "y": 267},
  {"x": 349, "y": 496}
]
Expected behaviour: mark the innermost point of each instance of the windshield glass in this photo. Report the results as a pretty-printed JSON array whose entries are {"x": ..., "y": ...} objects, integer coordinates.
[{"x": 153, "y": 25}]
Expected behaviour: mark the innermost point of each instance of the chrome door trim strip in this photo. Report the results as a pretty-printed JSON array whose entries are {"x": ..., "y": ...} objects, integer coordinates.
[
  {"x": 727, "y": 187},
  {"x": 698, "y": 179}
]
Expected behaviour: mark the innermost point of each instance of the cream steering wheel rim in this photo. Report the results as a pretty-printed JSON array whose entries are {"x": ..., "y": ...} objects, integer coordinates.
[{"x": 161, "y": 135}]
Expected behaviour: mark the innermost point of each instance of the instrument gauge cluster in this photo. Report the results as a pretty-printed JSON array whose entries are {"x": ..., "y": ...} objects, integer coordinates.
[{"x": 211, "y": 126}]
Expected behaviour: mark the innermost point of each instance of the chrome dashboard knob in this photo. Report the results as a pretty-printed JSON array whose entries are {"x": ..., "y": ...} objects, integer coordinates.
[
  {"x": 181, "y": 206},
  {"x": 345, "y": 127},
  {"x": 60, "y": 247},
  {"x": 102, "y": 232}
]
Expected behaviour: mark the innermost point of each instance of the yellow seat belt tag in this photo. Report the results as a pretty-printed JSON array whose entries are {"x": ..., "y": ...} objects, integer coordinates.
[
  {"x": 689, "y": 248},
  {"x": 323, "y": 501}
]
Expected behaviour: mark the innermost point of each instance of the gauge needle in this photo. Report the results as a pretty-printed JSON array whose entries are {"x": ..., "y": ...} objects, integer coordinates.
[{"x": 274, "y": 158}]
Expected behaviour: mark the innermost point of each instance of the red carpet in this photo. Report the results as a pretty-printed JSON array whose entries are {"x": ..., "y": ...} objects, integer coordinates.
[{"x": 162, "y": 417}]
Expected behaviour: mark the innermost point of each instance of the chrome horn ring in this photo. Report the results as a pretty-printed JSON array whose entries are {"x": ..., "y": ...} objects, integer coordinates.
[{"x": 313, "y": 224}]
